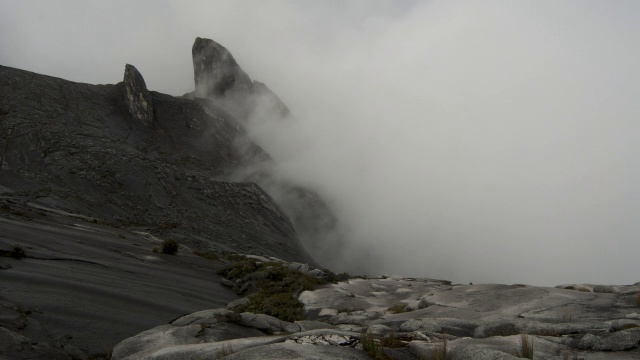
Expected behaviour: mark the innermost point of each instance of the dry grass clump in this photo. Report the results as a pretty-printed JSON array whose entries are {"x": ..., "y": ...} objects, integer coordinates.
[
  {"x": 439, "y": 352},
  {"x": 225, "y": 350},
  {"x": 526, "y": 347},
  {"x": 398, "y": 308},
  {"x": 372, "y": 346}
]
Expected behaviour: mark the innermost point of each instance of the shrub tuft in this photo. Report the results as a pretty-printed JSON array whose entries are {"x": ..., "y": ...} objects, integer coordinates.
[
  {"x": 17, "y": 252},
  {"x": 170, "y": 247},
  {"x": 398, "y": 308},
  {"x": 272, "y": 288}
]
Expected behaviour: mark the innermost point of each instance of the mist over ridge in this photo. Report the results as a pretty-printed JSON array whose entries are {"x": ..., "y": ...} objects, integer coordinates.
[{"x": 484, "y": 142}]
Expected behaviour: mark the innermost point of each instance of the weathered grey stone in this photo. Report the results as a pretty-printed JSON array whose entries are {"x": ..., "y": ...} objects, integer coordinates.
[
  {"x": 425, "y": 303},
  {"x": 238, "y": 302},
  {"x": 298, "y": 351},
  {"x": 604, "y": 289},
  {"x": 211, "y": 316},
  {"x": 422, "y": 325},
  {"x": 618, "y": 341},
  {"x": 267, "y": 323},
  {"x": 623, "y": 324},
  {"x": 316, "y": 273},
  {"x": 204, "y": 351},
  {"x": 497, "y": 328},
  {"x": 138, "y": 98},
  {"x": 635, "y": 316},
  {"x": 472, "y": 353},
  {"x": 163, "y": 336},
  {"x": 306, "y": 325},
  {"x": 379, "y": 330},
  {"x": 564, "y": 328},
  {"x": 324, "y": 339},
  {"x": 587, "y": 342}
]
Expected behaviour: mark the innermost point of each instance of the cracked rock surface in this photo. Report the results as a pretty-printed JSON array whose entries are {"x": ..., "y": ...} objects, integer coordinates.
[{"x": 477, "y": 322}]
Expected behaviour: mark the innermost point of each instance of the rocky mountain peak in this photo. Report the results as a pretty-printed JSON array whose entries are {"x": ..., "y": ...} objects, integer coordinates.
[
  {"x": 218, "y": 77},
  {"x": 138, "y": 98},
  {"x": 215, "y": 70}
]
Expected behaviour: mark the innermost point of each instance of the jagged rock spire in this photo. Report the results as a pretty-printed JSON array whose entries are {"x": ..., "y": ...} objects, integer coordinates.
[
  {"x": 215, "y": 70},
  {"x": 138, "y": 98}
]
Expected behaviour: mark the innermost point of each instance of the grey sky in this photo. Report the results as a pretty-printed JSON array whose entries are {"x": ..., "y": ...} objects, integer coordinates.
[{"x": 484, "y": 141}]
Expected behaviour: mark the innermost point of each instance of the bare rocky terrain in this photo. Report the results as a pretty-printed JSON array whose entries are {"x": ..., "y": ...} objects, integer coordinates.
[
  {"x": 394, "y": 317},
  {"x": 95, "y": 179}
]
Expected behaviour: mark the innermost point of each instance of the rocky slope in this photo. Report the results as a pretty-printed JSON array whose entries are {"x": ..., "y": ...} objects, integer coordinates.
[
  {"x": 93, "y": 177},
  {"x": 394, "y": 317},
  {"x": 129, "y": 157}
]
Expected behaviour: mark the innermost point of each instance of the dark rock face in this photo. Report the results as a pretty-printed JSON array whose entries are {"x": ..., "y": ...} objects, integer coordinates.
[
  {"x": 219, "y": 78},
  {"x": 78, "y": 148},
  {"x": 138, "y": 98},
  {"x": 215, "y": 70},
  {"x": 94, "y": 176}
]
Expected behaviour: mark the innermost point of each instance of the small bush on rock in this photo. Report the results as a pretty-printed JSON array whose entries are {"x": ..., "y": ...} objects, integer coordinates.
[
  {"x": 638, "y": 299},
  {"x": 18, "y": 252},
  {"x": 170, "y": 247}
]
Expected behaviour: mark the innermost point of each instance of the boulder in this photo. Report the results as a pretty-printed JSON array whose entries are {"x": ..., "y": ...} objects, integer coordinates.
[
  {"x": 211, "y": 316},
  {"x": 267, "y": 323},
  {"x": 238, "y": 302},
  {"x": 618, "y": 341},
  {"x": 162, "y": 336}
]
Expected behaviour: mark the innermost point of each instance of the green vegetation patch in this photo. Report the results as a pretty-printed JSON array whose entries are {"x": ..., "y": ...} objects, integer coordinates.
[{"x": 272, "y": 288}]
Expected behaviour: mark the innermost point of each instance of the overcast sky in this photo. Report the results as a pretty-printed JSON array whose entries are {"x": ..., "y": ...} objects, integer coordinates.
[{"x": 484, "y": 141}]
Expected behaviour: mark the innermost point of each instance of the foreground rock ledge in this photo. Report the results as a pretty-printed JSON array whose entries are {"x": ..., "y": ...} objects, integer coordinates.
[{"x": 478, "y": 322}]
